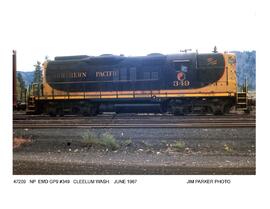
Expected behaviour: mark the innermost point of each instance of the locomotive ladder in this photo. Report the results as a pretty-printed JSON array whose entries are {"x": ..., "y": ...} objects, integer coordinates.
[
  {"x": 242, "y": 98},
  {"x": 34, "y": 93},
  {"x": 31, "y": 107}
]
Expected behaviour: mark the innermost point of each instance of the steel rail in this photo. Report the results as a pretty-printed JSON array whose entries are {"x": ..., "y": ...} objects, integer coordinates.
[
  {"x": 176, "y": 125},
  {"x": 132, "y": 121},
  {"x": 25, "y": 117}
]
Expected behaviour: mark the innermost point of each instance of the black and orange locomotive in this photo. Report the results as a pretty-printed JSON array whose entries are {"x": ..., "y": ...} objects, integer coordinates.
[{"x": 177, "y": 83}]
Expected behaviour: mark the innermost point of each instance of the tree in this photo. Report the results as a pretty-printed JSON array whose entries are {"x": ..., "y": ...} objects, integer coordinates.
[
  {"x": 20, "y": 87},
  {"x": 21, "y": 81},
  {"x": 37, "y": 88},
  {"x": 37, "y": 74}
]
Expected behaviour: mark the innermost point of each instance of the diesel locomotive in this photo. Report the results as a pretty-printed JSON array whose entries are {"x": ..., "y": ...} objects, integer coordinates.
[{"x": 176, "y": 83}]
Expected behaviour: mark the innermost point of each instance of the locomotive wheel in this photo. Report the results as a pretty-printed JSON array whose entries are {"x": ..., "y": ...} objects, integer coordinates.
[
  {"x": 177, "y": 110},
  {"x": 218, "y": 110},
  {"x": 227, "y": 108},
  {"x": 163, "y": 107},
  {"x": 91, "y": 110},
  {"x": 60, "y": 112},
  {"x": 94, "y": 110},
  {"x": 248, "y": 110},
  {"x": 218, "y": 107},
  {"x": 51, "y": 111},
  {"x": 84, "y": 111},
  {"x": 178, "y": 113},
  {"x": 174, "y": 108}
]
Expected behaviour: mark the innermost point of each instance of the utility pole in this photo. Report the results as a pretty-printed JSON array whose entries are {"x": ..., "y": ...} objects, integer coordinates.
[{"x": 14, "y": 68}]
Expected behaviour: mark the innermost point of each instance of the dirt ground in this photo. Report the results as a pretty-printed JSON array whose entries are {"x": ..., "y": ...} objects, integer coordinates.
[{"x": 135, "y": 151}]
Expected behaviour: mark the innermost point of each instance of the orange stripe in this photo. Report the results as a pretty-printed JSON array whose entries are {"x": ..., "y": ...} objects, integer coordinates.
[{"x": 106, "y": 96}]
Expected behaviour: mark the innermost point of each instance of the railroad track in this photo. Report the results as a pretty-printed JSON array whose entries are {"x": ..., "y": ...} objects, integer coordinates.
[
  {"x": 136, "y": 125},
  {"x": 23, "y": 116},
  {"x": 88, "y": 126},
  {"x": 134, "y": 121}
]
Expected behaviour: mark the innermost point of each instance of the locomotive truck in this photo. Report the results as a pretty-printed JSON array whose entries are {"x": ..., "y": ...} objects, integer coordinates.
[{"x": 176, "y": 83}]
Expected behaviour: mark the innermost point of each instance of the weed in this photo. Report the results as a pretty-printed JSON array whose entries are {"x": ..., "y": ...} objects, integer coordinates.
[
  {"x": 127, "y": 142},
  {"x": 106, "y": 140},
  {"x": 90, "y": 138},
  {"x": 179, "y": 145},
  {"x": 227, "y": 148},
  {"x": 163, "y": 142},
  {"x": 109, "y": 141},
  {"x": 22, "y": 133},
  {"x": 144, "y": 143}
]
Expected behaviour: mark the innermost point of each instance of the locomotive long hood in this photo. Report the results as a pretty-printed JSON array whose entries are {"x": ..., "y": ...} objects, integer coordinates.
[{"x": 116, "y": 73}]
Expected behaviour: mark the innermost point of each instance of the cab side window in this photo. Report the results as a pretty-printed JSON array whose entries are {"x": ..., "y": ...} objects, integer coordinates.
[{"x": 180, "y": 65}]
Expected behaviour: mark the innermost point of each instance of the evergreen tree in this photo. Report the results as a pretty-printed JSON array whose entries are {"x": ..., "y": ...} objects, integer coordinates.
[
  {"x": 37, "y": 74},
  {"x": 21, "y": 81},
  {"x": 20, "y": 88},
  {"x": 37, "y": 79}
]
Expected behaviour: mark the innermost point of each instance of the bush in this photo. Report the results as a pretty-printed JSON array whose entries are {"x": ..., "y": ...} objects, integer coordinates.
[
  {"x": 109, "y": 141},
  {"x": 106, "y": 140},
  {"x": 90, "y": 138}
]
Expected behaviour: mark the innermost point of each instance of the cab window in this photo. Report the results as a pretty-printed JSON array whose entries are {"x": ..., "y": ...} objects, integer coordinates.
[{"x": 181, "y": 65}]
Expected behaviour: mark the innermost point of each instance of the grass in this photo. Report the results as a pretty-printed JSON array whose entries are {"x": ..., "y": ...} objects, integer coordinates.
[
  {"x": 179, "y": 145},
  {"x": 89, "y": 138},
  {"x": 109, "y": 141},
  {"x": 105, "y": 140},
  {"x": 227, "y": 148},
  {"x": 22, "y": 133},
  {"x": 126, "y": 142},
  {"x": 163, "y": 142},
  {"x": 144, "y": 143}
]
